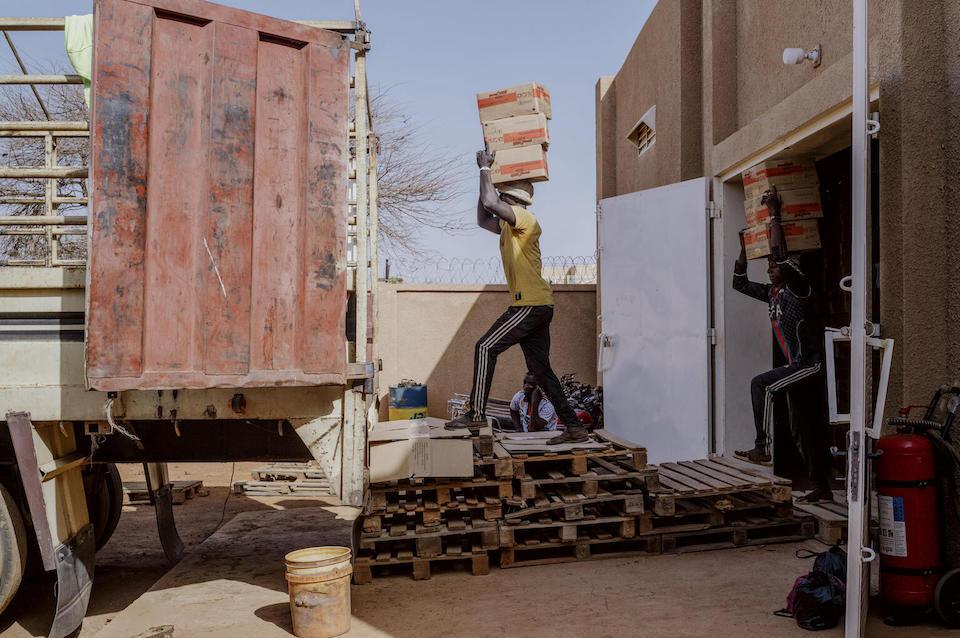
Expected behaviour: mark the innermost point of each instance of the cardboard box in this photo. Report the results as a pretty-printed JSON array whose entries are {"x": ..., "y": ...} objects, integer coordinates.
[
  {"x": 511, "y": 132},
  {"x": 525, "y": 99},
  {"x": 800, "y": 235},
  {"x": 798, "y": 203},
  {"x": 784, "y": 174},
  {"x": 522, "y": 162},
  {"x": 420, "y": 448}
]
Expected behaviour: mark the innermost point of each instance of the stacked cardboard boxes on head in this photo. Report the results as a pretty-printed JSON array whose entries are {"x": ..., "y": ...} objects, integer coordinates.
[
  {"x": 797, "y": 186},
  {"x": 515, "y": 129}
]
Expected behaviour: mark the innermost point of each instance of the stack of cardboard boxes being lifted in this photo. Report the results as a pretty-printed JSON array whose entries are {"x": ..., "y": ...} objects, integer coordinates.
[
  {"x": 796, "y": 183},
  {"x": 515, "y": 129}
]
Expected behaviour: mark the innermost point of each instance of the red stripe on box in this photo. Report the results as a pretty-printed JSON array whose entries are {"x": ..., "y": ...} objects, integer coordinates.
[
  {"x": 522, "y": 167},
  {"x": 521, "y": 137},
  {"x": 495, "y": 100}
]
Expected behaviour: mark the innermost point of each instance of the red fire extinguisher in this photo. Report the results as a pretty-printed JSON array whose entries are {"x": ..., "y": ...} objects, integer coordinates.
[{"x": 909, "y": 526}]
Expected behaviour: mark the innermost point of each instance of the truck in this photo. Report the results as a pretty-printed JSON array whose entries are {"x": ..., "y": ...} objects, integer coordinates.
[{"x": 212, "y": 300}]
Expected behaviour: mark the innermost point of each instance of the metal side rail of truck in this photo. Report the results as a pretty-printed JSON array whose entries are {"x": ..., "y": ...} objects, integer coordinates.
[{"x": 200, "y": 290}]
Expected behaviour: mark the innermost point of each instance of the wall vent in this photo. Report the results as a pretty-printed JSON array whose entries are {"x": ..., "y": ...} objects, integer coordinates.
[{"x": 644, "y": 133}]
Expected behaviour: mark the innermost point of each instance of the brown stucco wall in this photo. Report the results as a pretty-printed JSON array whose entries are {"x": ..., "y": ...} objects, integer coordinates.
[
  {"x": 764, "y": 28},
  {"x": 749, "y": 101},
  {"x": 919, "y": 162},
  {"x": 662, "y": 69},
  {"x": 427, "y": 333}
]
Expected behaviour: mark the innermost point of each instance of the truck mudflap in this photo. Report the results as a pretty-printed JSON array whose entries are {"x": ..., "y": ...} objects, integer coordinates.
[
  {"x": 161, "y": 493},
  {"x": 50, "y": 466},
  {"x": 75, "y": 561}
]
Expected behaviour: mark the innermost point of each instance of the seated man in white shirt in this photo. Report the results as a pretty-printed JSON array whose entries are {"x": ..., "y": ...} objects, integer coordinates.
[{"x": 530, "y": 410}]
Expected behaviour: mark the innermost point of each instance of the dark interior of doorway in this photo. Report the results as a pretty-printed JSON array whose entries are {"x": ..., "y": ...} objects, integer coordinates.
[{"x": 826, "y": 268}]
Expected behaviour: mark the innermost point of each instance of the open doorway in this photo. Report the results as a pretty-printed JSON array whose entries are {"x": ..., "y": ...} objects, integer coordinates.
[{"x": 745, "y": 346}]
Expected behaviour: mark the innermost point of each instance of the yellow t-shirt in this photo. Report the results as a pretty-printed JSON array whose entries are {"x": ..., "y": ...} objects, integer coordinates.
[{"x": 520, "y": 251}]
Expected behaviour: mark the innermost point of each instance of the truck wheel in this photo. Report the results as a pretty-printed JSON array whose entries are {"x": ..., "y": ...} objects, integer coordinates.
[
  {"x": 946, "y": 598},
  {"x": 13, "y": 548},
  {"x": 104, "y": 500}
]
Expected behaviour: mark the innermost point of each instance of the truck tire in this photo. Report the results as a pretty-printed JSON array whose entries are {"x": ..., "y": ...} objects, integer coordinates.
[
  {"x": 105, "y": 502},
  {"x": 13, "y": 548}
]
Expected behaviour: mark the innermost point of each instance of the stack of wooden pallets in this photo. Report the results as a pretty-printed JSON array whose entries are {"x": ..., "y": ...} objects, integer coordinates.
[
  {"x": 285, "y": 479},
  {"x": 535, "y": 504},
  {"x": 414, "y": 524},
  {"x": 718, "y": 503}
]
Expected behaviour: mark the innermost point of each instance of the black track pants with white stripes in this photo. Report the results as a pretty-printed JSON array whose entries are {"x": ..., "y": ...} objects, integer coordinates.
[
  {"x": 803, "y": 387},
  {"x": 528, "y": 326}
]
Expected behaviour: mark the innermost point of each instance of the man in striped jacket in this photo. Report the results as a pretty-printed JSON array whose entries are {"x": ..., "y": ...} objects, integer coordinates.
[
  {"x": 798, "y": 343},
  {"x": 527, "y": 320}
]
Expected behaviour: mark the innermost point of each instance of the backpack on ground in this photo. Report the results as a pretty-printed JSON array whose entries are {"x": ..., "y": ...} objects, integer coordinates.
[{"x": 816, "y": 600}]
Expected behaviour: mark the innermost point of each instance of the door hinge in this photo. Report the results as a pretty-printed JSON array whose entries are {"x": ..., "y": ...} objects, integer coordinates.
[
  {"x": 712, "y": 335},
  {"x": 713, "y": 211}
]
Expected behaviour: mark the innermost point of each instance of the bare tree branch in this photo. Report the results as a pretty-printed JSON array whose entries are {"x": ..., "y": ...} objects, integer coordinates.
[
  {"x": 417, "y": 182},
  {"x": 66, "y": 103}
]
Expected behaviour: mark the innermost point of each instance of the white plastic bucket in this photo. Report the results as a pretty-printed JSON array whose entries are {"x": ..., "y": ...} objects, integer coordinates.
[{"x": 318, "y": 579}]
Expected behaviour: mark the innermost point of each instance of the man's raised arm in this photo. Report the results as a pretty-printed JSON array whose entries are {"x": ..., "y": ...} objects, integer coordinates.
[{"x": 489, "y": 197}]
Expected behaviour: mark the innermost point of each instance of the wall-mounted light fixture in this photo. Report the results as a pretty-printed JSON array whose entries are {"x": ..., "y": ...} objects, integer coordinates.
[{"x": 798, "y": 56}]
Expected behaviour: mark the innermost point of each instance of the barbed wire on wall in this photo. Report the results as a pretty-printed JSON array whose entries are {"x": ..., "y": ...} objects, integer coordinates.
[{"x": 485, "y": 270}]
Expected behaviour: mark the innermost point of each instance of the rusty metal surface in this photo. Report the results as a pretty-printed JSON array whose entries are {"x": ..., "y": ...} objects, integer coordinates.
[{"x": 218, "y": 224}]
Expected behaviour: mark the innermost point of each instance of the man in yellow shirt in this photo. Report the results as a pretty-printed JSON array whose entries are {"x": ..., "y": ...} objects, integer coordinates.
[{"x": 527, "y": 320}]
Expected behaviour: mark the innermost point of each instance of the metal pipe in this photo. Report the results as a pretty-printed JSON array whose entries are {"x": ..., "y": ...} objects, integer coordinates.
[
  {"x": 16, "y": 199},
  {"x": 23, "y": 69},
  {"x": 40, "y": 125},
  {"x": 42, "y": 220},
  {"x": 58, "y": 172},
  {"x": 54, "y": 132},
  {"x": 41, "y": 79},
  {"x": 362, "y": 175},
  {"x": 32, "y": 24},
  {"x": 857, "y": 476}
]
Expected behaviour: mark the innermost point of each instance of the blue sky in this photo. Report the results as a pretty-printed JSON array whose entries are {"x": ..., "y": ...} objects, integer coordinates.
[{"x": 435, "y": 56}]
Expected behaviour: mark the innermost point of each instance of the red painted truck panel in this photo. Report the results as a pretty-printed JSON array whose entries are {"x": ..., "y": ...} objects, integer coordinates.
[{"x": 219, "y": 187}]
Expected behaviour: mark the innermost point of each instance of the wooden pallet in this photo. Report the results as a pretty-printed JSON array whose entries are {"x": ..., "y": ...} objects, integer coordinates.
[
  {"x": 182, "y": 491},
  {"x": 552, "y": 531},
  {"x": 831, "y": 518},
  {"x": 365, "y": 567},
  {"x": 596, "y": 544},
  {"x": 573, "y": 505},
  {"x": 428, "y": 542},
  {"x": 670, "y": 506},
  {"x": 289, "y": 472},
  {"x": 613, "y": 473},
  {"x": 396, "y": 495},
  {"x": 713, "y": 477},
  {"x": 498, "y": 464},
  {"x": 749, "y": 530},
  {"x": 575, "y": 462},
  {"x": 491, "y": 510},
  {"x": 300, "y": 487}
]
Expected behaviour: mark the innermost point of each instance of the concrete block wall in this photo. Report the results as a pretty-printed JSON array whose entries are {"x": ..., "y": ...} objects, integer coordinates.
[{"x": 427, "y": 333}]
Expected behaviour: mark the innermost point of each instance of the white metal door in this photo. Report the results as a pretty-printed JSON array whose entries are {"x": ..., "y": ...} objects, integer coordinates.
[{"x": 655, "y": 345}]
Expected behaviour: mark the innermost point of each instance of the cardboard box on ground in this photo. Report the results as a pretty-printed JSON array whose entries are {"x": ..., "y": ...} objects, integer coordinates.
[
  {"x": 515, "y": 128},
  {"x": 420, "y": 448}
]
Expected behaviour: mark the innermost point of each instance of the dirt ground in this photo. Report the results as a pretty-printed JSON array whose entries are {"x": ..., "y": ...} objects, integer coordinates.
[{"x": 232, "y": 584}]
